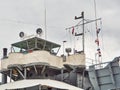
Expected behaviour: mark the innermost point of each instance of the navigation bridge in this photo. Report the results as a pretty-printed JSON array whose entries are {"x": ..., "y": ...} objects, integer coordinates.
[{"x": 36, "y": 58}]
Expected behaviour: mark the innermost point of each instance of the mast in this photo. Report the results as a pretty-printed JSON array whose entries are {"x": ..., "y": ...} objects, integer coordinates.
[
  {"x": 83, "y": 28},
  {"x": 83, "y": 35},
  {"x": 97, "y": 37}
]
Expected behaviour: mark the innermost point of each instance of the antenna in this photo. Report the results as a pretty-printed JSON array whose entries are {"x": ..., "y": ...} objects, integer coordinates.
[
  {"x": 45, "y": 19},
  {"x": 97, "y": 37}
]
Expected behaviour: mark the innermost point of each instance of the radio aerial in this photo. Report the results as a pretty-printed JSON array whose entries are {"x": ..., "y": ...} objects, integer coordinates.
[
  {"x": 39, "y": 31},
  {"x": 21, "y": 34}
]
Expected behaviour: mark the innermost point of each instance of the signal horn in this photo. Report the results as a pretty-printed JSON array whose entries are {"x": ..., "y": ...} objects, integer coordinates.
[
  {"x": 21, "y": 34},
  {"x": 39, "y": 31}
]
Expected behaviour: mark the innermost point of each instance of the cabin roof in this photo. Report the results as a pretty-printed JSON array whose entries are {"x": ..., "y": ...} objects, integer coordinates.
[{"x": 35, "y": 43}]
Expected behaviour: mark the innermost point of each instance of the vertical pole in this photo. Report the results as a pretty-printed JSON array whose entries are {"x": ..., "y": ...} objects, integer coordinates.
[
  {"x": 40, "y": 87},
  {"x": 95, "y": 58},
  {"x": 64, "y": 47},
  {"x": 36, "y": 47},
  {"x": 62, "y": 71},
  {"x": 83, "y": 74},
  {"x": 10, "y": 75},
  {"x": 96, "y": 24},
  {"x": 74, "y": 45},
  {"x": 25, "y": 73},
  {"x": 83, "y": 33},
  {"x": 27, "y": 45},
  {"x": 45, "y": 20},
  {"x": 45, "y": 26}
]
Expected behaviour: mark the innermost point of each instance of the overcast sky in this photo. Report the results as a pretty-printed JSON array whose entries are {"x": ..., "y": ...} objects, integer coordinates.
[{"x": 28, "y": 15}]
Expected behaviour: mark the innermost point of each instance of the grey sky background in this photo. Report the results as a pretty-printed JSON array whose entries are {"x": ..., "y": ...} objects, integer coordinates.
[{"x": 28, "y": 15}]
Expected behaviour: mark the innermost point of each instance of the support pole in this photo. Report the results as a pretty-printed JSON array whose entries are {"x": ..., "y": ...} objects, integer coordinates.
[
  {"x": 10, "y": 75},
  {"x": 21, "y": 73},
  {"x": 40, "y": 87},
  {"x": 25, "y": 73},
  {"x": 64, "y": 47},
  {"x": 83, "y": 33},
  {"x": 62, "y": 71}
]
